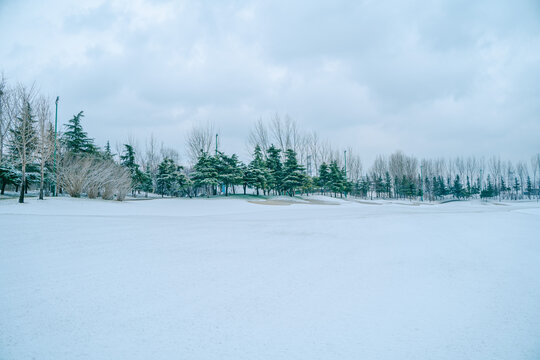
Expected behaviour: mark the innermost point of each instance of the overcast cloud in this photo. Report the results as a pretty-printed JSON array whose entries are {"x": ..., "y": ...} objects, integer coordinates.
[{"x": 432, "y": 78}]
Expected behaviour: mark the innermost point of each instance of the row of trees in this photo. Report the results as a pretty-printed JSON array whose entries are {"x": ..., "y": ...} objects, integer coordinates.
[
  {"x": 284, "y": 161},
  {"x": 28, "y": 143}
]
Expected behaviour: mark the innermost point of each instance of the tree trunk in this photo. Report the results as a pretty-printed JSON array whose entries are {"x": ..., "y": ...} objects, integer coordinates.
[
  {"x": 23, "y": 178},
  {"x": 41, "y": 183},
  {"x": 244, "y": 189},
  {"x": 4, "y": 187}
]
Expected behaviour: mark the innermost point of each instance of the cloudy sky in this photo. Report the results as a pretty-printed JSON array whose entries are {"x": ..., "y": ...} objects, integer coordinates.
[{"x": 432, "y": 78}]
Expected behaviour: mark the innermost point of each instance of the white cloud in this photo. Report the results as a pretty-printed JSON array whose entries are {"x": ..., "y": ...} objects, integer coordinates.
[{"x": 433, "y": 79}]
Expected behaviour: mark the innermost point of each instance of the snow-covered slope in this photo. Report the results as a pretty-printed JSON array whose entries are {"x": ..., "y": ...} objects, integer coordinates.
[{"x": 230, "y": 279}]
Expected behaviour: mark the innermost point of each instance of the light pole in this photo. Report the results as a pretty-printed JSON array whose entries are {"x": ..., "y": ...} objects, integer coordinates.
[
  {"x": 55, "y": 193},
  {"x": 216, "y": 143}
]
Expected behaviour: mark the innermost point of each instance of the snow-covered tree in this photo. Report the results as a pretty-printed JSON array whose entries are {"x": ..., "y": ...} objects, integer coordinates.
[
  {"x": 75, "y": 139},
  {"x": 257, "y": 173},
  {"x": 293, "y": 173},
  {"x": 23, "y": 134}
]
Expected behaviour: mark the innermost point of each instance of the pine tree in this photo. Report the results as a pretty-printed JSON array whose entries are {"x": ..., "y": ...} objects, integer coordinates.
[
  {"x": 257, "y": 173},
  {"x": 365, "y": 185},
  {"x": 457, "y": 188},
  {"x": 529, "y": 186},
  {"x": 516, "y": 187},
  {"x": 165, "y": 177},
  {"x": 205, "y": 173},
  {"x": 293, "y": 173},
  {"x": 76, "y": 139},
  {"x": 338, "y": 181},
  {"x": 228, "y": 169},
  {"x": 127, "y": 159},
  {"x": 324, "y": 177},
  {"x": 107, "y": 153},
  {"x": 275, "y": 168},
  {"x": 308, "y": 185},
  {"x": 8, "y": 174},
  {"x": 245, "y": 177},
  {"x": 388, "y": 184},
  {"x": 145, "y": 182},
  {"x": 489, "y": 191},
  {"x": 379, "y": 186},
  {"x": 170, "y": 178}
]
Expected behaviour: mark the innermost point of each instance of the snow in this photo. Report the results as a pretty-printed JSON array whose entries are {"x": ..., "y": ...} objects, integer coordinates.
[{"x": 232, "y": 279}]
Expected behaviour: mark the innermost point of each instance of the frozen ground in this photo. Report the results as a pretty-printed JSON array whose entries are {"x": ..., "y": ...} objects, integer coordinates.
[{"x": 230, "y": 279}]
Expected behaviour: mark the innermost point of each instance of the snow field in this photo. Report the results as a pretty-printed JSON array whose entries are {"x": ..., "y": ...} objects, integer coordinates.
[{"x": 230, "y": 279}]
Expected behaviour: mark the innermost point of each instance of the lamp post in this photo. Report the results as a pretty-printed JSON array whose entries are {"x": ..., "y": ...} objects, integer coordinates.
[{"x": 55, "y": 193}]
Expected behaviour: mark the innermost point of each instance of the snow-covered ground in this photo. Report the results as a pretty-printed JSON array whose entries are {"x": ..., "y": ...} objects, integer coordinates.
[{"x": 232, "y": 279}]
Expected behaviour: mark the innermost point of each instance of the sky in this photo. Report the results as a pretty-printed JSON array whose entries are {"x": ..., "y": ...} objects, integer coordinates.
[{"x": 430, "y": 78}]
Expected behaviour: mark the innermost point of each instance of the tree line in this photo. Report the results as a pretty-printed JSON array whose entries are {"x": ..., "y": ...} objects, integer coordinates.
[{"x": 284, "y": 161}]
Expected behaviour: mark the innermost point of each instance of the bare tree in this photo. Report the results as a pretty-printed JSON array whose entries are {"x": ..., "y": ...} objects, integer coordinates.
[
  {"x": 354, "y": 166},
  {"x": 523, "y": 173},
  {"x": 495, "y": 168},
  {"x": 472, "y": 167},
  {"x": 314, "y": 152},
  {"x": 285, "y": 134},
  {"x": 535, "y": 165},
  {"x": 167, "y": 152},
  {"x": 22, "y": 134},
  {"x": 200, "y": 139},
  {"x": 45, "y": 138},
  {"x": 152, "y": 160},
  {"x": 5, "y": 119},
  {"x": 379, "y": 167},
  {"x": 258, "y": 135}
]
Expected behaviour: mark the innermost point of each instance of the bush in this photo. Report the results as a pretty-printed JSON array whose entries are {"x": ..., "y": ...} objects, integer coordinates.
[{"x": 94, "y": 176}]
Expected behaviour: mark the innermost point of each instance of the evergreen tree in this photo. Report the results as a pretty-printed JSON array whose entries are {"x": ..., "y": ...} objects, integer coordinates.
[
  {"x": 308, "y": 185},
  {"x": 365, "y": 185},
  {"x": 205, "y": 173},
  {"x": 245, "y": 177},
  {"x": 489, "y": 191},
  {"x": 379, "y": 185},
  {"x": 228, "y": 169},
  {"x": 127, "y": 159},
  {"x": 457, "y": 188},
  {"x": 529, "y": 186},
  {"x": 388, "y": 184},
  {"x": 107, "y": 154},
  {"x": 293, "y": 173},
  {"x": 8, "y": 174},
  {"x": 516, "y": 187},
  {"x": 76, "y": 139},
  {"x": 324, "y": 177},
  {"x": 170, "y": 178},
  {"x": 257, "y": 174},
  {"x": 165, "y": 177},
  {"x": 145, "y": 182},
  {"x": 337, "y": 179},
  {"x": 275, "y": 168}
]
